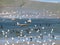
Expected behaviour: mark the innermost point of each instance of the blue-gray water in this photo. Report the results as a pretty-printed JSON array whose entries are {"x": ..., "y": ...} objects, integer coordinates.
[
  {"x": 53, "y": 1},
  {"x": 15, "y": 30},
  {"x": 49, "y": 24}
]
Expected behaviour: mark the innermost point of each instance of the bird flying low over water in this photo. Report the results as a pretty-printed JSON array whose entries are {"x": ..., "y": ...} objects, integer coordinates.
[{"x": 26, "y": 24}]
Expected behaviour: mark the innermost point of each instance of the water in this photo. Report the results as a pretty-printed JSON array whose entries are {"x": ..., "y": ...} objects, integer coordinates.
[
  {"x": 47, "y": 23},
  {"x": 14, "y": 30},
  {"x": 51, "y": 1}
]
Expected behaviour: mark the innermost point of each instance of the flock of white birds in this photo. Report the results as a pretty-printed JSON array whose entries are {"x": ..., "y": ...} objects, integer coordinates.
[{"x": 30, "y": 14}]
